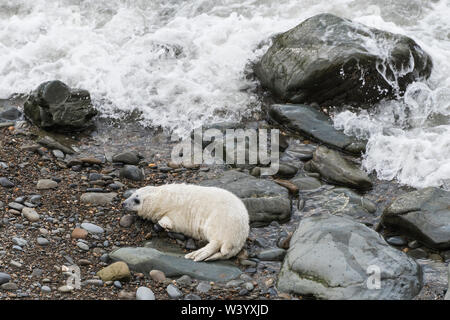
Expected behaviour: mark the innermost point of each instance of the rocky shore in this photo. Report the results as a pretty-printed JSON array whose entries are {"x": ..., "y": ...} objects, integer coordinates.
[{"x": 320, "y": 228}]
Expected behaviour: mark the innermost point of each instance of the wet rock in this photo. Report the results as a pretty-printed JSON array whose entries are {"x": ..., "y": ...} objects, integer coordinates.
[
  {"x": 6, "y": 183},
  {"x": 51, "y": 143},
  {"x": 286, "y": 170},
  {"x": 116, "y": 271},
  {"x": 423, "y": 215},
  {"x": 97, "y": 198},
  {"x": 132, "y": 173},
  {"x": 265, "y": 200},
  {"x": 144, "y": 293},
  {"x": 312, "y": 123},
  {"x": 325, "y": 60},
  {"x": 131, "y": 157},
  {"x": 331, "y": 258},
  {"x": 30, "y": 214},
  {"x": 146, "y": 259},
  {"x": 10, "y": 113},
  {"x": 54, "y": 106},
  {"x": 273, "y": 254},
  {"x": 306, "y": 183},
  {"x": 334, "y": 169}
]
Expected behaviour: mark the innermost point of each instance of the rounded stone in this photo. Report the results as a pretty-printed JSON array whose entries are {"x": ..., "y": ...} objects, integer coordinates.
[{"x": 144, "y": 293}]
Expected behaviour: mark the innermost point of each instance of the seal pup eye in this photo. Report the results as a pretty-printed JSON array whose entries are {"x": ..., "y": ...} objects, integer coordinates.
[{"x": 137, "y": 201}]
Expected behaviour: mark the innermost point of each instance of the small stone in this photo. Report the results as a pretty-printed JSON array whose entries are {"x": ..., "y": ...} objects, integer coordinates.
[
  {"x": 42, "y": 241},
  {"x": 19, "y": 241},
  {"x": 84, "y": 262},
  {"x": 58, "y": 154},
  {"x": 127, "y": 220},
  {"x": 274, "y": 254},
  {"x": 203, "y": 287},
  {"x": 9, "y": 286},
  {"x": 92, "y": 228},
  {"x": 414, "y": 244},
  {"x": 184, "y": 281},
  {"x": 4, "y": 278},
  {"x": 15, "y": 264},
  {"x": 4, "y": 182},
  {"x": 30, "y": 214},
  {"x": 116, "y": 271},
  {"x": 46, "y": 289},
  {"x": 144, "y": 293},
  {"x": 130, "y": 157},
  {"x": 98, "y": 198},
  {"x": 243, "y": 292},
  {"x": 249, "y": 286},
  {"x": 118, "y": 284},
  {"x": 157, "y": 275},
  {"x": 65, "y": 289},
  {"x": 45, "y": 184},
  {"x": 126, "y": 295},
  {"x": 79, "y": 233},
  {"x": 131, "y": 172},
  {"x": 396, "y": 241},
  {"x": 82, "y": 246},
  {"x": 234, "y": 283},
  {"x": 173, "y": 292},
  {"x": 16, "y": 206},
  {"x": 191, "y": 296}
]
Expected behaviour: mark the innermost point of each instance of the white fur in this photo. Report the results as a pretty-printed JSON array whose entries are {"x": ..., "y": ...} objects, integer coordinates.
[{"x": 203, "y": 213}]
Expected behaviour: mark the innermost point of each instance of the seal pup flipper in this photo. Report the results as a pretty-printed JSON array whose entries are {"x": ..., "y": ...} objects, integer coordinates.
[
  {"x": 205, "y": 252},
  {"x": 166, "y": 223}
]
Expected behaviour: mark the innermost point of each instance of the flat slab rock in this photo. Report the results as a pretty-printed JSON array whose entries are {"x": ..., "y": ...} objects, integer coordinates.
[
  {"x": 144, "y": 259},
  {"x": 335, "y": 169},
  {"x": 329, "y": 257},
  {"x": 266, "y": 201},
  {"x": 309, "y": 121},
  {"x": 423, "y": 215}
]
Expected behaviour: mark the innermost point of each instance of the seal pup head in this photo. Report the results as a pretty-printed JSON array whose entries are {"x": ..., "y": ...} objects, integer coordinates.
[{"x": 135, "y": 202}]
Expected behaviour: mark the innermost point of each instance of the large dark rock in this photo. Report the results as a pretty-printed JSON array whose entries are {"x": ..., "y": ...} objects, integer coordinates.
[
  {"x": 265, "y": 200},
  {"x": 335, "y": 169},
  {"x": 423, "y": 215},
  {"x": 334, "y": 257},
  {"x": 55, "y": 106},
  {"x": 330, "y": 60},
  {"x": 143, "y": 259},
  {"x": 308, "y": 121}
]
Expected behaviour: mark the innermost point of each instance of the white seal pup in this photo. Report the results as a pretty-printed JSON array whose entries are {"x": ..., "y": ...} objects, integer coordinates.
[{"x": 203, "y": 213}]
